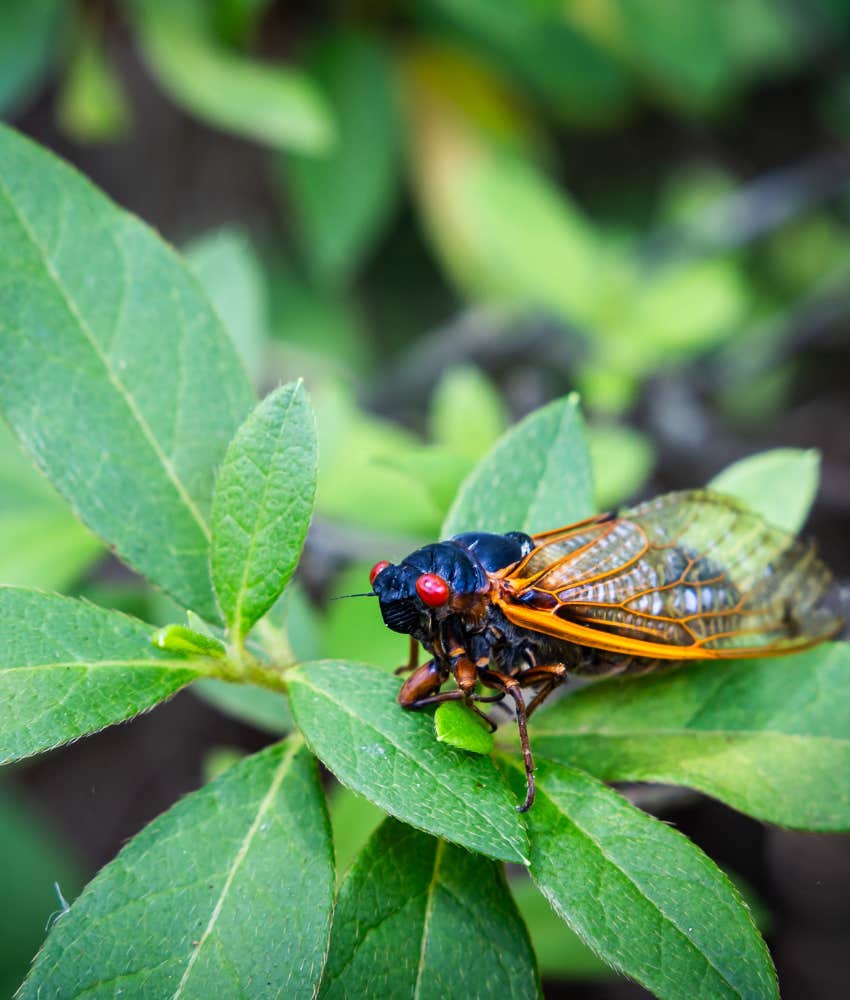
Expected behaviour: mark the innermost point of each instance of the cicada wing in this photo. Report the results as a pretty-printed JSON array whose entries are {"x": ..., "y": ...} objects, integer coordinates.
[{"x": 691, "y": 575}]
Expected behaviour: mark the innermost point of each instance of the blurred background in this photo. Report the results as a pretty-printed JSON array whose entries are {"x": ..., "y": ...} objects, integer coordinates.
[{"x": 444, "y": 213}]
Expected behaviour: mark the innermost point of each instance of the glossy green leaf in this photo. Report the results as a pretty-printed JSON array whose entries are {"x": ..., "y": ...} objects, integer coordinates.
[
  {"x": 271, "y": 103},
  {"x": 536, "y": 477},
  {"x": 262, "y": 506},
  {"x": 405, "y": 917},
  {"x": 91, "y": 105},
  {"x": 467, "y": 413},
  {"x": 766, "y": 736},
  {"x": 97, "y": 308},
  {"x": 639, "y": 893},
  {"x": 780, "y": 484},
  {"x": 29, "y": 32},
  {"x": 349, "y": 716},
  {"x": 229, "y": 893},
  {"x": 68, "y": 668},
  {"x": 186, "y": 641},
  {"x": 344, "y": 198},
  {"x": 456, "y": 725},
  {"x": 228, "y": 268},
  {"x": 42, "y": 544}
]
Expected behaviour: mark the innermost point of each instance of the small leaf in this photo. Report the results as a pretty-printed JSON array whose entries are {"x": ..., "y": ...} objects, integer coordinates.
[
  {"x": 344, "y": 198},
  {"x": 423, "y": 901},
  {"x": 262, "y": 506},
  {"x": 68, "y": 668},
  {"x": 537, "y": 476},
  {"x": 781, "y": 484},
  {"x": 467, "y": 413},
  {"x": 766, "y": 736},
  {"x": 349, "y": 716},
  {"x": 229, "y": 893},
  {"x": 264, "y": 101},
  {"x": 179, "y": 639},
  {"x": 231, "y": 274},
  {"x": 639, "y": 893},
  {"x": 456, "y": 725},
  {"x": 138, "y": 386}
]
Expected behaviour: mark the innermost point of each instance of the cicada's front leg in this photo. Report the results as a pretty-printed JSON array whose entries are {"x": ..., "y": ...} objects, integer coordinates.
[
  {"x": 421, "y": 687},
  {"x": 412, "y": 659}
]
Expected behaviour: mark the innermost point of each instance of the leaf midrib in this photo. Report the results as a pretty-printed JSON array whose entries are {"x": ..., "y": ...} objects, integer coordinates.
[
  {"x": 694, "y": 734},
  {"x": 266, "y": 803},
  {"x": 191, "y": 665},
  {"x": 120, "y": 388}
]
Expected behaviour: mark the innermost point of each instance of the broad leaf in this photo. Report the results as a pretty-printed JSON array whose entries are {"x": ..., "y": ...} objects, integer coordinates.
[
  {"x": 262, "y": 506},
  {"x": 68, "y": 668},
  {"x": 231, "y": 273},
  {"x": 780, "y": 484},
  {"x": 536, "y": 477},
  {"x": 137, "y": 385},
  {"x": 445, "y": 915},
  {"x": 349, "y": 716},
  {"x": 268, "y": 102},
  {"x": 229, "y": 893},
  {"x": 766, "y": 736},
  {"x": 344, "y": 198},
  {"x": 639, "y": 893}
]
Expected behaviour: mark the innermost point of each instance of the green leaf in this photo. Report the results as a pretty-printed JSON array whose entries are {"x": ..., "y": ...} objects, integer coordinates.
[
  {"x": 639, "y": 893},
  {"x": 423, "y": 902},
  {"x": 29, "y": 33},
  {"x": 227, "y": 266},
  {"x": 456, "y": 725},
  {"x": 118, "y": 377},
  {"x": 536, "y": 477},
  {"x": 344, "y": 198},
  {"x": 229, "y": 893},
  {"x": 780, "y": 484},
  {"x": 765, "y": 736},
  {"x": 42, "y": 544},
  {"x": 267, "y": 102},
  {"x": 91, "y": 106},
  {"x": 179, "y": 639},
  {"x": 349, "y": 716},
  {"x": 467, "y": 413},
  {"x": 262, "y": 506},
  {"x": 68, "y": 668}
]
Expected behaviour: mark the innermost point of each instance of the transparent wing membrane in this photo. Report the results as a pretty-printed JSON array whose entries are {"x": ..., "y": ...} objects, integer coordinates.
[{"x": 687, "y": 575}]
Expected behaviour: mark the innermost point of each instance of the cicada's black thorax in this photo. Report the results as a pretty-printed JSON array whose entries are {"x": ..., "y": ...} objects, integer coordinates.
[{"x": 463, "y": 562}]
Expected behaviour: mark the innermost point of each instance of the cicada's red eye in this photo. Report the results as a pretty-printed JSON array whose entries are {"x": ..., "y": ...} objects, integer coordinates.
[
  {"x": 379, "y": 567},
  {"x": 433, "y": 589}
]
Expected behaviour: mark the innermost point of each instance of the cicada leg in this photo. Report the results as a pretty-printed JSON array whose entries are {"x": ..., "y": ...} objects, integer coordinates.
[
  {"x": 412, "y": 659},
  {"x": 510, "y": 685},
  {"x": 549, "y": 675}
]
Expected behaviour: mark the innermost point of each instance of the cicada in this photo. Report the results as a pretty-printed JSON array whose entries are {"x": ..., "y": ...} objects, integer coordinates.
[{"x": 688, "y": 576}]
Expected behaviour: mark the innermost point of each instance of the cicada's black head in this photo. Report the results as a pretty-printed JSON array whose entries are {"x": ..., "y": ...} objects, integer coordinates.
[{"x": 436, "y": 580}]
